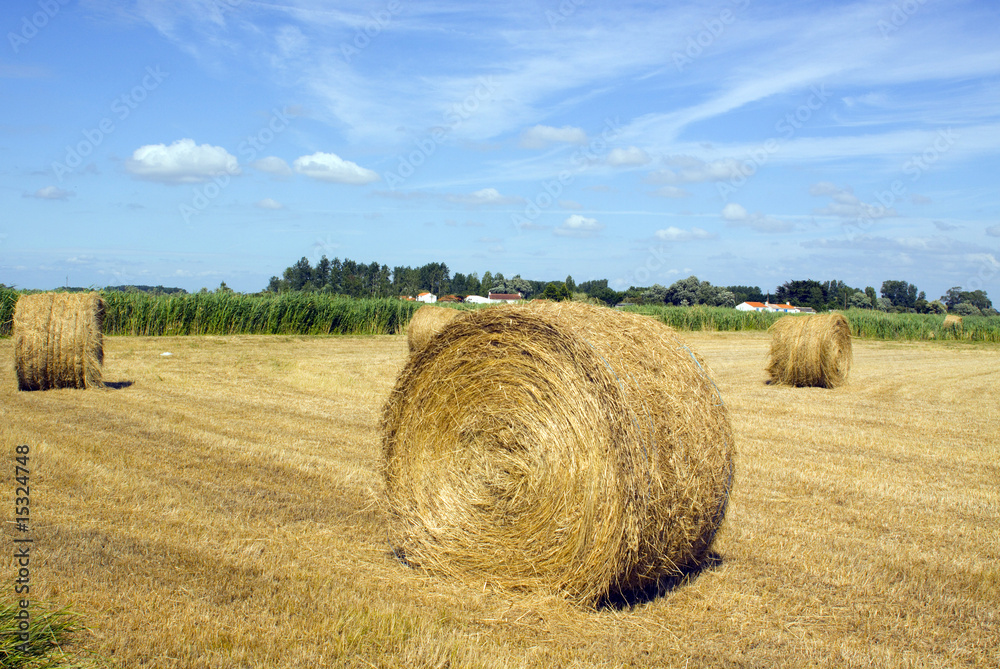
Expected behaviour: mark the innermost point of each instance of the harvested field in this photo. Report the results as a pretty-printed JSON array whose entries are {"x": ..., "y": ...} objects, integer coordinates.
[{"x": 215, "y": 508}]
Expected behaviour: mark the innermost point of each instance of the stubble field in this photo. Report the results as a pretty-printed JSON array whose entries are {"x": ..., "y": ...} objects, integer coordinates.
[{"x": 218, "y": 508}]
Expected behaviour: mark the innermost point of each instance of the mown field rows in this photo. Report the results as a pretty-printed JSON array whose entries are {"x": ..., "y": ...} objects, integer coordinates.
[
  {"x": 220, "y": 507},
  {"x": 316, "y": 313}
]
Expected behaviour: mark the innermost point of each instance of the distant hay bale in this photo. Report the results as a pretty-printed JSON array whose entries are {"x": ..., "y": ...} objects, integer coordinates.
[
  {"x": 952, "y": 322},
  {"x": 426, "y": 323},
  {"x": 810, "y": 351},
  {"x": 559, "y": 447},
  {"x": 57, "y": 341}
]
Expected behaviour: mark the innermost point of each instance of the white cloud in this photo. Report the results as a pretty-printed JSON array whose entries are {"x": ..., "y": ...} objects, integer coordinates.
[
  {"x": 579, "y": 226},
  {"x": 268, "y": 203},
  {"x": 51, "y": 193},
  {"x": 183, "y": 162},
  {"x": 332, "y": 168},
  {"x": 673, "y": 234},
  {"x": 689, "y": 169},
  {"x": 570, "y": 204},
  {"x": 541, "y": 136},
  {"x": 631, "y": 156},
  {"x": 846, "y": 205},
  {"x": 670, "y": 191},
  {"x": 734, "y": 212},
  {"x": 993, "y": 231},
  {"x": 272, "y": 165},
  {"x": 737, "y": 216},
  {"x": 485, "y": 196}
]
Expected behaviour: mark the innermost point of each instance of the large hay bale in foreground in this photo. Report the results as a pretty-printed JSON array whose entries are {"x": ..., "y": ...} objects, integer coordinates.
[
  {"x": 557, "y": 447},
  {"x": 57, "y": 341},
  {"x": 952, "y": 322},
  {"x": 427, "y": 322},
  {"x": 810, "y": 350}
]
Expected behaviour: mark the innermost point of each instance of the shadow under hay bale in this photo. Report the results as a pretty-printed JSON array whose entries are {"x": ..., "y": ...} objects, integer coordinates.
[
  {"x": 810, "y": 351},
  {"x": 427, "y": 322},
  {"x": 57, "y": 341},
  {"x": 556, "y": 447}
]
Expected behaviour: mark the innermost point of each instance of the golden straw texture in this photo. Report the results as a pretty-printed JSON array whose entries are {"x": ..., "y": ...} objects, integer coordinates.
[
  {"x": 427, "y": 322},
  {"x": 952, "y": 322},
  {"x": 57, "y": 341},
  {"x": 810, "y": 351},
  {"x": 558, "y": 447}
]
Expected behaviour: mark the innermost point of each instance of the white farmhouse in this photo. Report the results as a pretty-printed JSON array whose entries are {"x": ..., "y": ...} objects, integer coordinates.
[
  {"x": 767, "y": 306},
  {"x": 427, "y": 297}
]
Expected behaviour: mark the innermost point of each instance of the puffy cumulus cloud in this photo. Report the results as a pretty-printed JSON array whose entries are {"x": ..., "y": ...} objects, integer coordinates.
[
  {"x": 182, "y": 162},
  {"x": 51, "y": 193},
  {"x": 737, "y": 216},
  {"x": 673, "y": 234},
  {"x": 690, "y": 170},
  {"x": 845, "y": 204},
  {"x": 272, "y": 165},
  {"x": 268, "y": 203},
  {"x": 631, "y": 156},
  {"x": 485, "y": 196},
  {"x": 579, "y": 226},
  {"x": 332, "y": 168},
  {"x": 734, "y": 212},
  {"x": 670, "y": 191},
  {"x": 541, "y": 136}
]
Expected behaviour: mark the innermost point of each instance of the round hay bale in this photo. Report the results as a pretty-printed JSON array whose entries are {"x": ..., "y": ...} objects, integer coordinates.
[
  {"x": 810, "y": 351},
  {"x": 57, "y": 341},
  {"x": 952, "y": 322},
  {"x": 559, "y": 447},
  {"x": 427, "y": 322}
]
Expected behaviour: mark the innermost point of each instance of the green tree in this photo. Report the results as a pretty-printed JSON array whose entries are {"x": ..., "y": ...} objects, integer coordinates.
[
  {"x": 655, "y": 294},
  {"x": 570, "y": 284},
  {"x": 872, "y": 297},
  {"x": 858, "y": 300},
  {"x": 901, "y": 294},
  {"x": 557, "y": 291}
]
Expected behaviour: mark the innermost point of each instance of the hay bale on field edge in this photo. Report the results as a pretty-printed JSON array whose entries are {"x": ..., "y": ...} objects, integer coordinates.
[
  {"x": 427, "y": 322},
  {"x": 952, "y": 322},
  {"x": 812, "y": 350},
  {"x": 558, "y": 447},
  {"x": 58, "y": 341}
]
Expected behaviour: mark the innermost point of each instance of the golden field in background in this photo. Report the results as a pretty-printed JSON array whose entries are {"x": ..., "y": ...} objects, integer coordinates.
[{"x": 217, "y": 508}]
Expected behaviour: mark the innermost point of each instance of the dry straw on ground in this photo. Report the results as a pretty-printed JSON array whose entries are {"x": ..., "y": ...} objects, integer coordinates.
[
  {"x": 951, "y": 321},
  {"x": 427, "y": 322},
  {"x": 57, "y": 341},
  {"x": 810, "y": 351},
  {"x": 556, "y": 447}
]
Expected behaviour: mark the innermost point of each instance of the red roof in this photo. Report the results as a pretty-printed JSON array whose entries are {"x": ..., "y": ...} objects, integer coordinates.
[
  {"x": 505, "y": 296},
  {"x": 761, "y": 305}
]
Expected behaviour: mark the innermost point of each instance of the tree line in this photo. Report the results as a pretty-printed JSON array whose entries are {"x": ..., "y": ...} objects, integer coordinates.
[{"x": 347, "y": 277}]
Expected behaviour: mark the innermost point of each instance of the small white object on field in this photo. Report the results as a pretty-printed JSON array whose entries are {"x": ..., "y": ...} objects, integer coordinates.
[{"x": 166, "y": 353}]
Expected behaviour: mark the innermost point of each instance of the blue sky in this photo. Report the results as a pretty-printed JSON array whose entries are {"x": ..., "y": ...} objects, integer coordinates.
[{"x": 750, "y": 142}]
